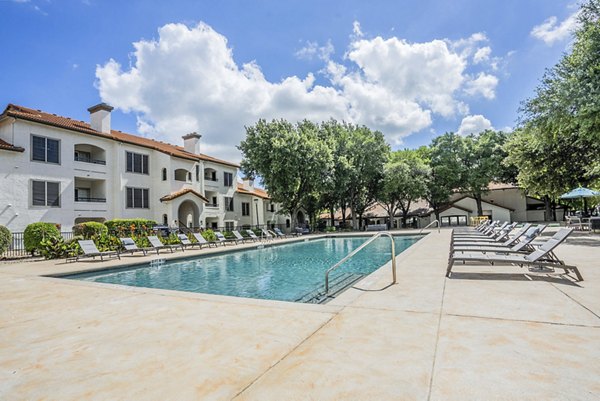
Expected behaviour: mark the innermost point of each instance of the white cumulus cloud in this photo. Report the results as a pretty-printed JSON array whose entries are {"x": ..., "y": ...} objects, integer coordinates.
[
  {"x": 482, "y": 54},
  {"x": 482, "y": 85},
  {"x": 550, "y": 31},
  {"x": 187, "y": 80},
  {"x": 474, "y": 125}
]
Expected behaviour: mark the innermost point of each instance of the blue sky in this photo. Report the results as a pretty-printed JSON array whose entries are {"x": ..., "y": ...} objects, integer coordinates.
[{"x": 412, "y": 69}]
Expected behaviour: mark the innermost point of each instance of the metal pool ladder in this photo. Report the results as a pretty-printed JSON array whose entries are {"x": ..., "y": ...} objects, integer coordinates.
[{"x": 354, "y": 252}]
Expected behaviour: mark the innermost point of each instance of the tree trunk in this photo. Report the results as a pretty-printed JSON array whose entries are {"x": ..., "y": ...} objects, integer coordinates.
[
  {"x": 548, "y": 208},
  {"x": 332, "y": 213},
  {"x": 391, "y": 219},
  {"x": 294, "y": 219},
  {"x": 479, "y": 206},
  {"x": 553, "y": 210}
]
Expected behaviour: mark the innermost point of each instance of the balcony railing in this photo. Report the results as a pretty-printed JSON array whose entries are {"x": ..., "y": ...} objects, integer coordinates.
[
  {"x": 215, "y": 179},
  {"x": 89, "y": 160},
  {"x": 212, "y": 205},
  {"x": 89, "y": 199}
]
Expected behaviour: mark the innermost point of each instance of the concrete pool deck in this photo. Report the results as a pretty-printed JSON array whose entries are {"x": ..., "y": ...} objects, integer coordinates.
[{"x": 490, "y": 333}]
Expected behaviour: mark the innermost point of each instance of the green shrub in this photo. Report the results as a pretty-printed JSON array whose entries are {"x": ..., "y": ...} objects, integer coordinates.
[
  {"x": 228, "y": 234},
  {"x": 171, "y": 239},
  {"x": 209, "y": 235},
  {"x": 90, "y": 229},
  {"x": 141, "y": 241},
  {"x": 107, "y": 242},
  {"x": 36, "y": 232},
  {"x": 55, "y": 247},
  {"x": 128, "y": 227},
  {"x": 5, "y": 239},
  {"x": 329, "y": 229}
]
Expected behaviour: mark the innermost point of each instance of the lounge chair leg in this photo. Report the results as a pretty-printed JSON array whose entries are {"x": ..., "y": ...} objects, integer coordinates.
[{"x": 575, "y": 270}]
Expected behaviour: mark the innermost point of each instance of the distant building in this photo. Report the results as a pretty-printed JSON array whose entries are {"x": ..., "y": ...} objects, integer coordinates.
[
  {"x": 504, "y": 202},
  {"x": 56, "y": 169}
]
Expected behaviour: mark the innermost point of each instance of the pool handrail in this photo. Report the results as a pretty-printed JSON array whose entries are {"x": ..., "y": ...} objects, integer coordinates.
[
  {"x": 430, "y": 224},
  {"x": 354, "y": 252}
]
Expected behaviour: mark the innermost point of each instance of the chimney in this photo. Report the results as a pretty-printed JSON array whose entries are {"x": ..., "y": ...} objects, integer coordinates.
[
  {"x": 248, "y": 185},
  {"x": 100, "y": 117},
  {"x": 191, "y": 142}
]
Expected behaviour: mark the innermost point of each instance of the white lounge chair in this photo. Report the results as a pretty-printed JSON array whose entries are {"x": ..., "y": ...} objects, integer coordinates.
[
  {"x": 279, "y": 233},
  {"x": 185, "y": 241},
  {"x": 131, "y": 247},
  {"x": 266, "y": 234},
  {"x": 202, "y": 241},
  {"x": 91, "y": 251},
  {"x": 221, "y": 238},
  {"x": 239, "y": 237},
  {"x": 157, "y": 245},
  {"x": 252, "y": 235},
  {"x": 541, "y": 257}
]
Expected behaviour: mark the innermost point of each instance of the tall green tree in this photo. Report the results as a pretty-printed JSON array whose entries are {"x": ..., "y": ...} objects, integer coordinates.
[
  {"x": 444, "y": 159},
  {"x": 481, "y": 163},
  {"x": 566, "y": 104},
  {"x": 336, "y": 136},
  {"x": 291, "y": 160},
  {"x": 367, "y": 152},
  {"x": 405, "y": 181}
]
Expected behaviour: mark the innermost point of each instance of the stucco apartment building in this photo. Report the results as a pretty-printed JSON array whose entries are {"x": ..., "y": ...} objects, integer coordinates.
[{"x": 56, "y": 169}]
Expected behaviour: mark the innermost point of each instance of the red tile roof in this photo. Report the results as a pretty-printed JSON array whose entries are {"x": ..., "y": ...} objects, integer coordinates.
[
  {"x": 7, "y": 146},
  {"x": 41, "y": 117},
  {"x": 182, "y": 192},
  {"x": 254, "y": 192}
]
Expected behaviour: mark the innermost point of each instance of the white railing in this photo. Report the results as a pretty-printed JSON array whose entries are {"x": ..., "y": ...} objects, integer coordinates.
[{"x": 430, "y": 224}]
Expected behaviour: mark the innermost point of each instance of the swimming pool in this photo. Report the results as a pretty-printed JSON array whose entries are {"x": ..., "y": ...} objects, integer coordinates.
[{"x": 286, "y": 272}]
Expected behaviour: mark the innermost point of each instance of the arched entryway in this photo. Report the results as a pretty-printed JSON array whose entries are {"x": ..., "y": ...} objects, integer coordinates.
[
  {"x": 188, "y": 214},
  {"x": 300, "y": 218}
]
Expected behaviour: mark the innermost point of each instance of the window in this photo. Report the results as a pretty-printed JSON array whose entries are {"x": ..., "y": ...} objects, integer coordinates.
[
  {"x": 287, "y": 223},
  {"x": 137, "y": 163},
  {"x": 227, "y": 179},
  {"x": 44, "y": 193},
  {"x": 137, "y": 198},
  {"x": 164, "y": 174},
  {"x": 165, "y": 220},
  {"x": 245, "y": 208},
  {"x": 189, "y": 176},
  {"x": 228, "y": 204},
  {"x": 45, "y": 149},
  {"x": 197, "y": 173},
  {"x": 229, "y": 226},
  {"x": 272, "y": 207}
]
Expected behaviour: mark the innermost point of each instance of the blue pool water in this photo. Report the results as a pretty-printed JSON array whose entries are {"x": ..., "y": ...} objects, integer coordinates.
[{"x": 281, "y": 272}]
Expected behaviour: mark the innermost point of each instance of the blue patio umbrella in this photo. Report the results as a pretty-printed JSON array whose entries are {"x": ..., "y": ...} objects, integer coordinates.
[{"x": 580, "y": 192}]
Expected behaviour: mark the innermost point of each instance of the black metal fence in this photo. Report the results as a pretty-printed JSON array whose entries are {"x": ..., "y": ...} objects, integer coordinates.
[{"x": 17, "y": 248}]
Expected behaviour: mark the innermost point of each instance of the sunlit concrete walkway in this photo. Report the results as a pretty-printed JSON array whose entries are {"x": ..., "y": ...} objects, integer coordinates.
[{"x": 491, "y": 333}]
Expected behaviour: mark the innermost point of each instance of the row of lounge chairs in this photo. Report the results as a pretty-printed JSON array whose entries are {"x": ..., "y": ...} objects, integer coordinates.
[
  {"x": 493, "y": 243},
  {"x": 89, "y": 248}
]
